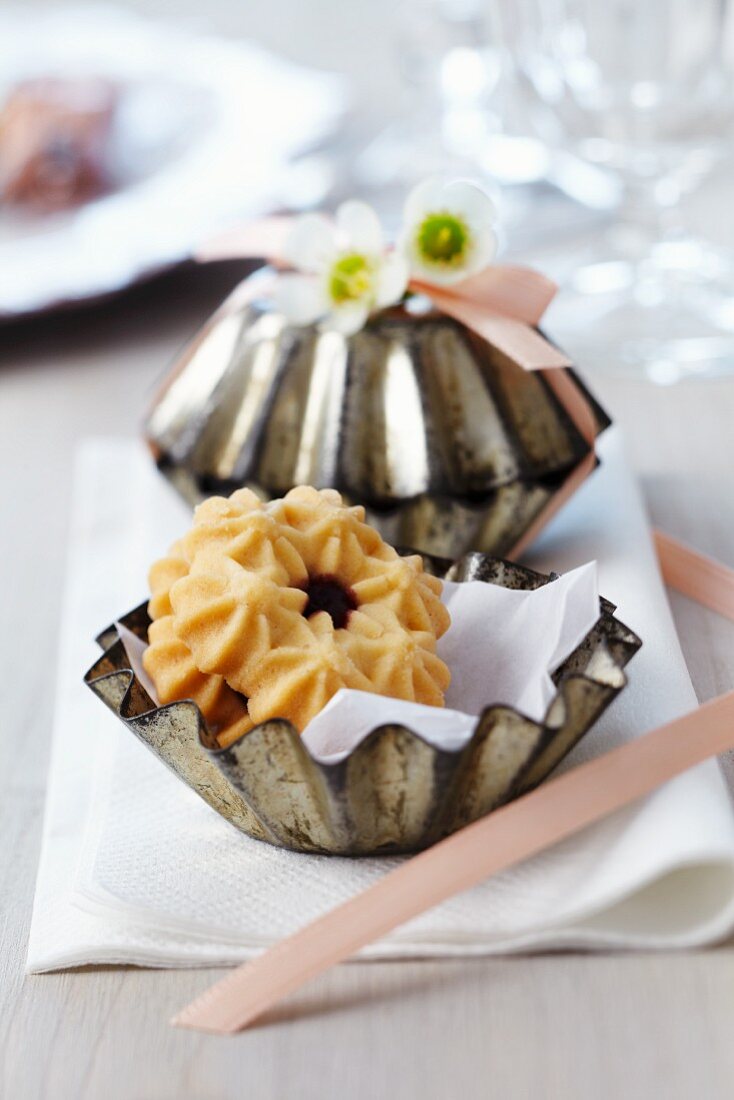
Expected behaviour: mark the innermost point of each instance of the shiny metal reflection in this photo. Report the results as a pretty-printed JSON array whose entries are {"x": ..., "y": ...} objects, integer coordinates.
[{"x": 448, "y": 443}]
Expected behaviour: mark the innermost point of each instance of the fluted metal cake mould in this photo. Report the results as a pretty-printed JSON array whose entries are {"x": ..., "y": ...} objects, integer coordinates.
[
  {"x": 448, "y": 443},
  {"x": 394, "y": 792}
]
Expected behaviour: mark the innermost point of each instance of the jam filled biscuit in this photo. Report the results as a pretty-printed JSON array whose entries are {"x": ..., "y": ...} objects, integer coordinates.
[
  {"x": 171, "y": 667},
  {"x": 293, "y": 600},
  {"x": 167, "y": 660}
]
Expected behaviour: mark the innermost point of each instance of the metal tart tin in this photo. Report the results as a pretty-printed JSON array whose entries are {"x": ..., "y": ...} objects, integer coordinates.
[
  {"x": 393, "y": 792},
  {"x": 448, "y": 443}
]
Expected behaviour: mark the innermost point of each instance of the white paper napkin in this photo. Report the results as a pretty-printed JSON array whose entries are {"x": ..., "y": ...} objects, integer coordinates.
[{"x": 136, "y": 869}]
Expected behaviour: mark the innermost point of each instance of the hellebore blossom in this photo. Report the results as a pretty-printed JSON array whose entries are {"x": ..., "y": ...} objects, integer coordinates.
[
  {"x": 448, "y": 231},
  {"x": 343, "y": 270}
]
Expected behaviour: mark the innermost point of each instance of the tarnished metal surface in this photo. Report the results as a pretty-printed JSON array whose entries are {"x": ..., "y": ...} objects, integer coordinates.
[
  {"x": 448, "y": 443},
  {"x": 394, "y": 792}
]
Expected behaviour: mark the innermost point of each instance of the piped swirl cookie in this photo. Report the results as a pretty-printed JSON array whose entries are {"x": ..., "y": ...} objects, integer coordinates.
[
  {"x": 290, "y": 601},
  {"x": 171, "y": 667},
  {"x": 167, "y": 660}
]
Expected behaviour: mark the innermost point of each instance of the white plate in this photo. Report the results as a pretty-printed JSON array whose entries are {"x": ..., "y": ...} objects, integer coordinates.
[{"x": 203, "y": 137}]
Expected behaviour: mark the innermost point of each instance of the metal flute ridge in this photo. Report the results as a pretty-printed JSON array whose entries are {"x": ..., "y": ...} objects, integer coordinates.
[{"x": 447, "y": 442}]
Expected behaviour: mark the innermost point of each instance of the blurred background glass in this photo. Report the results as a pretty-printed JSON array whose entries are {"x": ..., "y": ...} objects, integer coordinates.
[
  {"x": 624, "y": 106},
  {"x": 461, "y": 111},
  {"x": 604, "y": 128},
  {"x": 645, "y": 90},
  {"x": 596, "y": 121}
]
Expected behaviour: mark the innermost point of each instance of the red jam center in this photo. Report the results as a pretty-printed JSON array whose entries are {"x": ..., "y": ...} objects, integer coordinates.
[{"x": 327, "y": 593}]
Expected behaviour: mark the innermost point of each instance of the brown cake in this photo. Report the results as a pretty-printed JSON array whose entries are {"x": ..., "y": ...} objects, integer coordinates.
[{"x": 54, "y": 142}]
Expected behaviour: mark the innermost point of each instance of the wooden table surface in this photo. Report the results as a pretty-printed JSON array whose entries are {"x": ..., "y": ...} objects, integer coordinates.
[
  {"x": 558, "y": 1026},
  {"x": 565, "y": 1025}
]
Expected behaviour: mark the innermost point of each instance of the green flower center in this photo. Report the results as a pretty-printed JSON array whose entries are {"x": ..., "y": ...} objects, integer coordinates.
[
  {"x": 350, "y": 278},
  {"x": 443, "y": 239}
]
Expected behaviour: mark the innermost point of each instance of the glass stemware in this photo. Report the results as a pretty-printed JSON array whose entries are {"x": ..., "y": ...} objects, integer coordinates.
[{"x": 645, "y": 89}]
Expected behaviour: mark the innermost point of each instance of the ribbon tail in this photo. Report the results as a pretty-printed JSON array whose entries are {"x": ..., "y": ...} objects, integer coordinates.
[
  {"x": 579, "y": 410},
  {"x": 525, "y": 345},
  {"x": 508, "y": 289},
  {"x": 520, "y": 291},
  {"x": 702, "y": 579},
  {"x": 532, "y": 823}
]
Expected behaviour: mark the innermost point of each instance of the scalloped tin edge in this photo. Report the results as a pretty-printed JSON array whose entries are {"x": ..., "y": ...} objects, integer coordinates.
[{"x": 394, "y": 792}]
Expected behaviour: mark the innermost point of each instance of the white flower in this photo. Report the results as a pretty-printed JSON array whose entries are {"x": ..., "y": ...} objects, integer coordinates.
[
  {"x": 343, "y": 270},
  {"x": 448, "y": 231}
]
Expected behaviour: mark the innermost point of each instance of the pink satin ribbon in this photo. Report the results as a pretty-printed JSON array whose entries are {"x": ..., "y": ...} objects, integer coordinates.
[
  {"x": 702, "y": 579},
  {"x": 555, "y": 810},
  {"x": 263, "y": 239},
  {"x": 503, "y": 304},
  {"x": 579, "y": 410}
]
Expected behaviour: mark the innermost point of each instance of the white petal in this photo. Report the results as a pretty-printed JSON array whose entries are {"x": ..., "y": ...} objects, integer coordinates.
[
  {"x": 392, "y": 279},
  {"x": 424, "y": 197},
  {"x": 347, "y": 319},
  {"x": 301, "y": 298},
  {"x": 469, "y": 202},
  {"x": 483, "y": 251},
  {"x": 359, "y": 228},
  {"x": 311, "y": 243},
  {"x": 407, "y": 246},
  {"x": 438, "y": 274},
  {"x": 417, "y": 267},
  {"x": 477, "y": 210}
]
